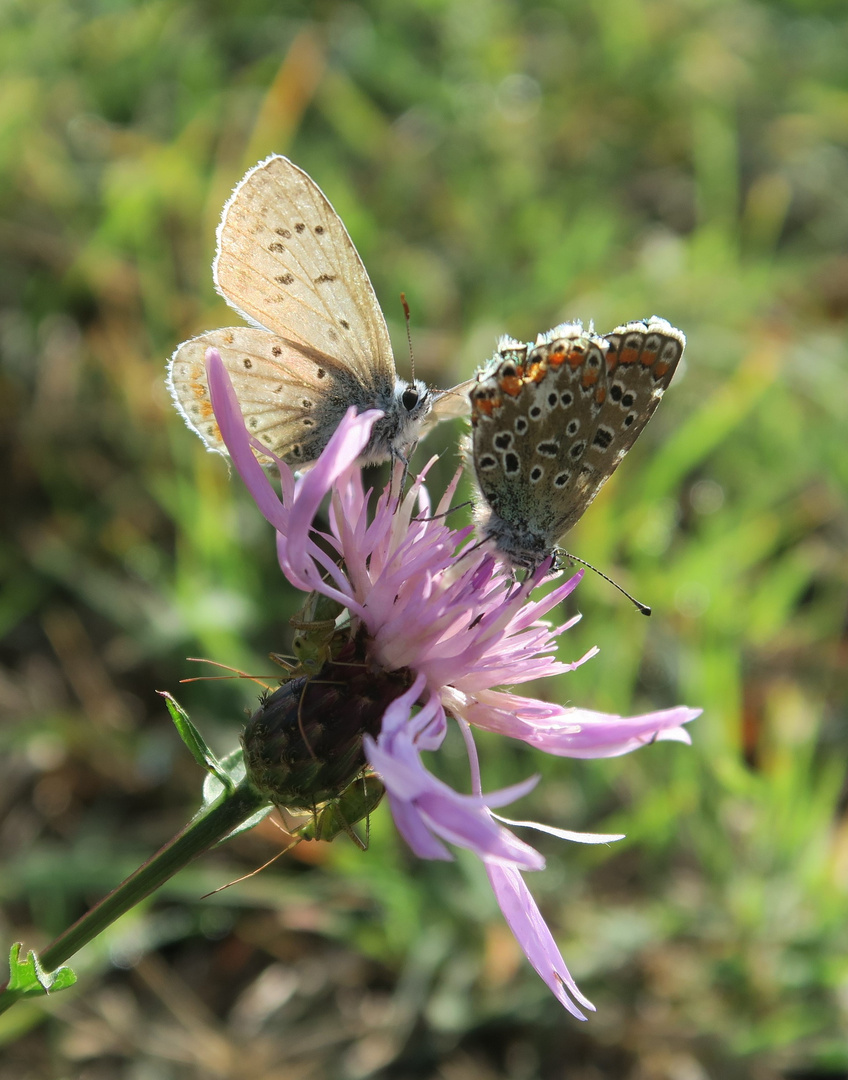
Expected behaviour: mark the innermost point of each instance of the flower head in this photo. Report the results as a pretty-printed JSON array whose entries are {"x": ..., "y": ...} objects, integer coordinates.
[{"x": 451, "y": 618}]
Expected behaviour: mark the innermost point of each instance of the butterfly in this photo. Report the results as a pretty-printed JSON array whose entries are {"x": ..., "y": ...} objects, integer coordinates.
[
  {"x": 318, "y": 342},
  {"x": 552, "y": 420}
]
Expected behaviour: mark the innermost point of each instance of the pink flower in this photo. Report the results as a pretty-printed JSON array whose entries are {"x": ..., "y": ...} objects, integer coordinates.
[{"x": 453, "y": 616}]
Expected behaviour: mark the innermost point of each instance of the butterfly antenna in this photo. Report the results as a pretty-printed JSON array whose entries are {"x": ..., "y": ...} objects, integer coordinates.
[
  {"x": 406, "y": 316},
  {"x": 470, "y": 550},
  {"x": 645, "y": 610},
  {"x": 450, "y": 510}
]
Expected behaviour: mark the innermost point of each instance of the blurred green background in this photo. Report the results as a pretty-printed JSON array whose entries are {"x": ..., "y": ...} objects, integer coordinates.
[{"x": 509, "y": 166}]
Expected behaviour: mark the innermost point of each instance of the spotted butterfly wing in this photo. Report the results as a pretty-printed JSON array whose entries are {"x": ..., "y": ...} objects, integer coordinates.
[
  {"x": 287, "y": 403},
  {"x": 319, "y": 342},
  {"x": 552, "y": 421},
  {"x": 530, "y": 413},
  {"x": 641, "y": 358},
  {"x": 286, "y": 262}
]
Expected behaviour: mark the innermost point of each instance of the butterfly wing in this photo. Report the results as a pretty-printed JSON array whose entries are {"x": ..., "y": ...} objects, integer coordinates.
[
  {"x": 563, "y": 381},
  {"x": 551, "y": 423},
  {"x": 508, "y": 424},
  {"x": 286, "y": 262},
  {"x": 641, "y": 358},
  {"x": 291, "y": 398},
  {"x": 449, "y": 404}
]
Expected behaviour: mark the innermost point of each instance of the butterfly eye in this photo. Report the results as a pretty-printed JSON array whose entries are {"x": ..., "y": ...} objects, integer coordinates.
[{"x": 409, "y": 398}]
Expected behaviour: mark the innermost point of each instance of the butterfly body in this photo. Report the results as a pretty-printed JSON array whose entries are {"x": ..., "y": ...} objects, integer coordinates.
[
  {"x": 318, "y": 342},
  {"x": 552, "y": 420}
]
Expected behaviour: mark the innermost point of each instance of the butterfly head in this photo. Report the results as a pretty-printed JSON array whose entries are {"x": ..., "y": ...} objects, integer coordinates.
[{"x": 406, "y": 408}]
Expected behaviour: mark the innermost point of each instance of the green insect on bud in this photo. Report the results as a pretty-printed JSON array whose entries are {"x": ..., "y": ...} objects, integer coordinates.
[
  {"x": 319, "y": 633},
  {"x": 339, "y": 815}
]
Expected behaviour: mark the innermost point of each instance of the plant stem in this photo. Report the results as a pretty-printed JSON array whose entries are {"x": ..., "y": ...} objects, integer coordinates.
[{"x": 209, "y": 826}]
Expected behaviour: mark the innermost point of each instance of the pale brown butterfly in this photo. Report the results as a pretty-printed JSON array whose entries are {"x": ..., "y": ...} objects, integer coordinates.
[{"x": 318, "y": 342}]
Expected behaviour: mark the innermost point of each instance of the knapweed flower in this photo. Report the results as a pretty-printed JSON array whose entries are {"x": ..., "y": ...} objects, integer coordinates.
[{"x": 447, "y": 614}]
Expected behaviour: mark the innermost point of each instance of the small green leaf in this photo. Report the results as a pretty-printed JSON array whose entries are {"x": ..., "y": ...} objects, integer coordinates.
[
  {"x": 196, "y": 744},
  {"x": 28, "y": 979}
]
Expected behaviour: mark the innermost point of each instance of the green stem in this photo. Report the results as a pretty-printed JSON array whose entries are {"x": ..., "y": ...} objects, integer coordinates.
[{"x": 210, "y": 825}]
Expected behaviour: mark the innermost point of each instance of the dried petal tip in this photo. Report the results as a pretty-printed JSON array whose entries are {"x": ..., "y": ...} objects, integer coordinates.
[{"x": 303, "y": 745}]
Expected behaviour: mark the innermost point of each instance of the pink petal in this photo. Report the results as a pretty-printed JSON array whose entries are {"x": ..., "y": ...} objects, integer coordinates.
[{"x": 532, "y": 934}]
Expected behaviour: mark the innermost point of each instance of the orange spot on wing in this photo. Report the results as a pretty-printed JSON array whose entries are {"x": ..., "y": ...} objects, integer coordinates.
[
  {"x": 661, "y": 369},
  {"x": 628, "y": 356},
  {"x": 511, "y": 385},
  {"x": 556, "y": 359},
  {"x": 206, "y": 411},
  {"x": 486, "y": 406},
  {"x": 648, "y": 357},
  {"x": 536, "y": 373},
  {"x": 601, "y": 395},
  {"x": 590, "y": 377},
  {"x": 575, "y": 358}
]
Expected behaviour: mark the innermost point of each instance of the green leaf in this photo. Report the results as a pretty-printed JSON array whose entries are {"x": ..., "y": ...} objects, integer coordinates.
[
  {"x": 196, "y": 743},
  {"x": 28, "y": 979}
]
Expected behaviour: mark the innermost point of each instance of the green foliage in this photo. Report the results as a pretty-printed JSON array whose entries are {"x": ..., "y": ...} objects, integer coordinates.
[{"x": 508, "y": 166}]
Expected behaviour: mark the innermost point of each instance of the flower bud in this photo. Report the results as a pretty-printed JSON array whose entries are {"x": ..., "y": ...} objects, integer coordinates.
[{"x": 303, "y": 745}]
